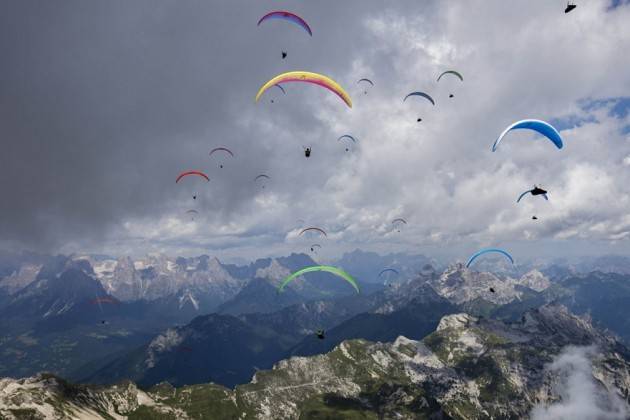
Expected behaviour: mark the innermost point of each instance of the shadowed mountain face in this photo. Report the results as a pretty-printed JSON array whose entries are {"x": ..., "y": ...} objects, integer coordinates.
[
  {"x": 415, "y": 320},
  {"x": 267, "y": 338},
  {"x": 467, "y": 368},
  {"x": 215, "y": 348}
]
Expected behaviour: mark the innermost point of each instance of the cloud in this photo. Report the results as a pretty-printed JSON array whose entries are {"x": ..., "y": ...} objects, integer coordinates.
[
  {"x": 103, "y": 104},
  {"x": 581, "y": 397}
]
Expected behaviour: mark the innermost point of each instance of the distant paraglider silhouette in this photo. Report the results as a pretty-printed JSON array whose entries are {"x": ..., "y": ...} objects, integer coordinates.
[{"x": 569, "y": 7}]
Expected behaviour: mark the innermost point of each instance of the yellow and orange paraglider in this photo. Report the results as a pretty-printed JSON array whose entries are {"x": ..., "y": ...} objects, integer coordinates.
[{"x": 307, "y": 77}]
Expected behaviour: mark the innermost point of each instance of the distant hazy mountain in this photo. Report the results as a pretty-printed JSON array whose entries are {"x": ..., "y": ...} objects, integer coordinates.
[
  {"x": 367, "y": 265},
  {"x": 469, "y": 368}
]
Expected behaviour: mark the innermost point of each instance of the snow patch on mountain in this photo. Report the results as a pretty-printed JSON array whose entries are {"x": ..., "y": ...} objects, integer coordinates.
[{"x": 19, "y": 279}]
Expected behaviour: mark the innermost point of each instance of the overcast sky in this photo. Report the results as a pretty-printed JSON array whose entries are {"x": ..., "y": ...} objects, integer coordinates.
[{"x": 103, "y": 103}]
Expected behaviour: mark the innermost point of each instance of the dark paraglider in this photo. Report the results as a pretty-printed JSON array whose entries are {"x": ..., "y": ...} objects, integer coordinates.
[
  {"x": 534, "y": 218},
  {"x": 538, "y": 191},
  {"x": 284, "y": 55},
  {"x": 569, "y": 7},
  {"x": 320, "y": 334},
  {"x": 307, "y": 152},
  {"x": 451, "y": 96},
  {"x": 492, "y": 290},
  {"x": 194, "y": 197},
  {"x": 419, "y": 120}
]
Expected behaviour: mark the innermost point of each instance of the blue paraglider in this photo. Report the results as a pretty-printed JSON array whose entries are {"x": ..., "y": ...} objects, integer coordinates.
[
  {"x": 539, "y": 126},
  {"x": 486, "y": 251}
]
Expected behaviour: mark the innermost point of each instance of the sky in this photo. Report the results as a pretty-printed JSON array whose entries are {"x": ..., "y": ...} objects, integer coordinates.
[{"x": 103, "y": 104}]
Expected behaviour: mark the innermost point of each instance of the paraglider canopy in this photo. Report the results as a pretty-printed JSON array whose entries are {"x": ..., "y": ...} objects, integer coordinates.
[
  {"x": 189, "y": 173},
  {"x": 284, "y": 55},
  {"x": 307, "y": 77},
  {"x": 314, "y": 229},
  {"x": 535, "y": 191},
  {"x": 287, "y": 16},
  {"x": 421, "y": 94},
  {"x": 539, "y": 126},
  {"x": 365, "y": 81},
  {"x": 221, "y": 149},
  {"x": 386, "y": 270},
  {"x": 320, "y": 334},
  {"x": 534, "y": 218},
  {"x": 486, "y": 251},
  {"x": 347, "y": 137},
  {"x": 453, "y": 72},
  {"x": 569, "y": 7},
  {"x": 334, "y": 270},
  {"x": 307, "y": 151}
]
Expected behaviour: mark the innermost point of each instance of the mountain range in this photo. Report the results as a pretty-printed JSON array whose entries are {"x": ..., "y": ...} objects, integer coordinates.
[{"x": 468, "y": 368}]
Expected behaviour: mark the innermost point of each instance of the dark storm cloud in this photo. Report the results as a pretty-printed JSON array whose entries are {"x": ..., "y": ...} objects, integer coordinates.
[{"x": 103, "y": 103}]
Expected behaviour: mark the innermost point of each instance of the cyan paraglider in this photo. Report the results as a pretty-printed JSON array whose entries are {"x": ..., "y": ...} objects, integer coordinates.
[
  {"x": 539, "y": 126},
  {"x": 486, "y": 251}
]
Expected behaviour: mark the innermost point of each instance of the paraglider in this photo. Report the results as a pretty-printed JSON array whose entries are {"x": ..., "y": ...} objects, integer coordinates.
[
  {"x": 534, "y": 218},
  {"x": 289, "y": 17},
  {"x": 398, "y": 223},
  {"x": 330, "y": 269},
  {"x": 365, "y": 81},
  {"x": 192, "y": 173},
  {"x": 284, "y": 55},
  {"x": 281, "y": 89},
  {"x": 193, "y": 213},
  {"x": 307, "y": 152},
  {"x": 348, "y": 137},
  {"x": 316, "y": 229},
  {"x": 539, "y": 126},
  {"x": 453, "y": 72},
  {"x": 221, "y": 149},
  {"x": 423, "y": 95},
  {"x": 486, "y": 251},
  {"x": 262, "y": 176},
  {"x": 388, "y": 276},
  {"x": 569, "y": 7},
  {"x": 320, "y": 334},
  {"x": 307, "y": 77},
  {"x": 492, "y": 290},
  {"x": 535, "y": 191},
  {"x": 315, "y": 246}
]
